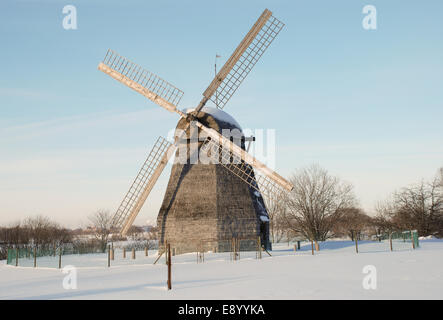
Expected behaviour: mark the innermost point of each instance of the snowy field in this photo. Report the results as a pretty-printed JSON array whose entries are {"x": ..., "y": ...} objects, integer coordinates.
[{"x": 335, "y": 272}]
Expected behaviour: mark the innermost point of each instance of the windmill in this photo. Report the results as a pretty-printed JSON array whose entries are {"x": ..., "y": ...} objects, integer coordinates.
[{"x": 240, "y": 170}]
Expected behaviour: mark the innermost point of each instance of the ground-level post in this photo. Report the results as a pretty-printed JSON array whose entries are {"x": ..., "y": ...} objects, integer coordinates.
[
  {"x": 390, "y": 241},
  {"x": 60, "y": 257},
  {"x": 234, "y": 249},
  {"x": 258, "y": 247},
  {"x": 109, "y": 255},
  {"x": 169, "y": 267},
  {"x": 412, "y": 239},
  {"x": 35, "y": 257},
  {"x": 203, "y": 251},
  {"x": 356, "y": 244}
]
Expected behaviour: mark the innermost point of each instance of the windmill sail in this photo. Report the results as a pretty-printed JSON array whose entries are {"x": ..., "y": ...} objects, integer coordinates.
[
  {"x": 231, "y": 153},
  {"x": 142, "y": 185},
  {"x": 143, "y": 81},
  {"x": 241, "y": 62},
  {"x": 269, "y": 188}
]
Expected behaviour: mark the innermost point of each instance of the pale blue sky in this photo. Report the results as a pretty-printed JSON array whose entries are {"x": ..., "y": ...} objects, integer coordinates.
[{"x": 366, "y": 105}]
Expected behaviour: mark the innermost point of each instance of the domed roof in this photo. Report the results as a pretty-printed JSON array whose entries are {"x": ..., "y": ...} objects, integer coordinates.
[{"x": 219, "y": 115}]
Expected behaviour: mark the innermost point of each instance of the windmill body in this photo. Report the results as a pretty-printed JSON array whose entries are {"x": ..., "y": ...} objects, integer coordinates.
[{"x": 206, "y": 204}]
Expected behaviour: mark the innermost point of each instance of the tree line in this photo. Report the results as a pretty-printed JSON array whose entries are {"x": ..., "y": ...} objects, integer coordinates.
[
  {"x": 321, "y": 206},
  {"x": 41, "y": 232}
]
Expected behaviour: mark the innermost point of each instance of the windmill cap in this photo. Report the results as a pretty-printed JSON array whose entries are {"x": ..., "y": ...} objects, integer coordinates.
[{"x": 219, "y": 115}]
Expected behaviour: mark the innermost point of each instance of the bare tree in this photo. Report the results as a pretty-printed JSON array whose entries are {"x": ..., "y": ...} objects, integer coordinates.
[
  {"x": 15, "y": 234},
  {"x": 419, "y": 207},
  {"x": 316, "y": 202},
  {"x": 440, "y": 178},
  {"x": 43, "y": 231},
  {"x": 38, "y": 231},
  {"x": 276, "y": 212},
  {"x": 382, "y": 223},
  {"x": 101, "y": 225},
  {"x": 136, "y": 233},
  {"x": 352, "y": 222}
]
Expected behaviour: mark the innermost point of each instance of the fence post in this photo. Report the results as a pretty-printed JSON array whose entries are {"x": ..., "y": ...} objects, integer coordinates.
[
  {"x": 356, "y": 244},
  {"x": 259, "y": 247},
  {"x": 390, "y": 241},
  {"x": 109, "y": 255},
  {"x": 146, "y": 251},
  {"x": 412, "y": 239},
  {"x": 298, "y": 244},
  {"x": 232, "y": 249},
  {"x": 169, "y": 267},
  {"x": 133, "y": 253},
  {"x": 35, "y": 257},
  {"x": 202, "y": 251},
  {"x": 16, "y": 256},
  {"x": 112, "y": 253},
  {"x": 124, "y": 253},
  {"x": 312, "y": 247},
  {"x": 235, "y": 249},
  {"x": 295, "y": 248},
  {"x": 60, "y": 257}
]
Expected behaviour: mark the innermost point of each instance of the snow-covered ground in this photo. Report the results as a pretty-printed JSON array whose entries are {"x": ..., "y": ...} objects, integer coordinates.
[{"x": 336, "y": 272}]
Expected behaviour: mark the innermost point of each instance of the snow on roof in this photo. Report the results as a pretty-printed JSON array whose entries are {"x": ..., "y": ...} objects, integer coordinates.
[{"x": 219, "y": 115}]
